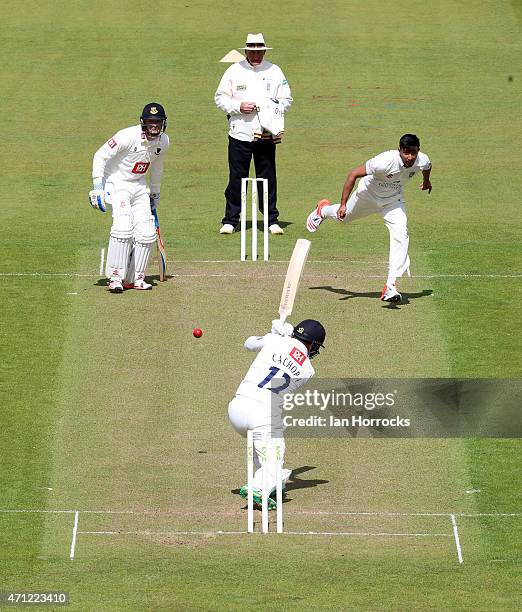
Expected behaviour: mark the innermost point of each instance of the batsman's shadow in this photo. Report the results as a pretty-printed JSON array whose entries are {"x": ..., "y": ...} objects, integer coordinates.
[
  {"x": 295, "y": 482},
  {"x": 153, "y": 279},
  {"x": 348, "y": 295}
]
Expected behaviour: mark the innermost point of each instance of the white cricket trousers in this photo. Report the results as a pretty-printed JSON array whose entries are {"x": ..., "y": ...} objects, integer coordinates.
[
  {"x": 361, "y": 204},
  {"x": 245, "y": 414}
]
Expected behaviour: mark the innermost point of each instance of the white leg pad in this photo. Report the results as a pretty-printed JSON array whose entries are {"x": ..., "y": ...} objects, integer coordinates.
[
  {"x": 130, "y": 274},
  {"x": 118, "y": 257},
  {"x": 141, "y": 258}
]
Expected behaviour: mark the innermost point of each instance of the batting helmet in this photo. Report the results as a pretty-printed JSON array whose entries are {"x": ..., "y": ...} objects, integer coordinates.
[
  {"x": 153, "y": 110},
  {"x": 310, "y": 331}
]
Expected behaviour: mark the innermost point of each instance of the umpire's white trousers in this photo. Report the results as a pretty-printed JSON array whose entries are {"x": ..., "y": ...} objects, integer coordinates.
[{"x": 244, "y": 415}]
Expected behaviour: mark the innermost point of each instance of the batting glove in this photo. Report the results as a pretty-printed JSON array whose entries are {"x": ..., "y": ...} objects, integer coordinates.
[
  {"x": 154, "y": 200},
  {"x": 97, "y": 199},
  {"x": 281, "y": 329}
]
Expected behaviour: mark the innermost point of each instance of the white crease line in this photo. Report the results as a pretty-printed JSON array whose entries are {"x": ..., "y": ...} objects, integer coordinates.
[
  {"x": 149, "y": 532},
  {"x": 102, "y": 262},
  {"x": 74, "y": 535},
  {"x": 457, "y": 539},
  {"x": 305, "y": 512},
  {"x": 367, "y": 533},
  {"x": 295, "y": 533},
  {"x": 275, "y": 275},
  {"x": 476, "y": 514}
]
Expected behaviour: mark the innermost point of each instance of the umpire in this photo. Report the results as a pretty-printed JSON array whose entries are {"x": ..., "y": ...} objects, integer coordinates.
[{"x": 247, "y": 87}]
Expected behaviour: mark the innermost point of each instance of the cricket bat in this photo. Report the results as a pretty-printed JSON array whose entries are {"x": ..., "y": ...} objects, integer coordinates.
[
  {"x": 162, "y": 254},
  {"x": 293, "y": 276}
]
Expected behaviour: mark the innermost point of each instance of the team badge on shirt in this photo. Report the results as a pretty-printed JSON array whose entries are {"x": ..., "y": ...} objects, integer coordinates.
[
  {"x": 298, "y": 356},
  {"x": 112, "y": 143}
]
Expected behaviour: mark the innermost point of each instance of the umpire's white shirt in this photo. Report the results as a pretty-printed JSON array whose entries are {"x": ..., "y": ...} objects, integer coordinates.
[
  {"x": 243, "y": 82},
  {"x": 386, "y": 175},
  {"x": 128, "y": 156}
]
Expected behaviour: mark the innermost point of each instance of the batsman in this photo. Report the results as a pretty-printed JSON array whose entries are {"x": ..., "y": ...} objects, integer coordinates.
[
  {"x": 282, "y": 366},
  {"x": 119, "y": 172}
]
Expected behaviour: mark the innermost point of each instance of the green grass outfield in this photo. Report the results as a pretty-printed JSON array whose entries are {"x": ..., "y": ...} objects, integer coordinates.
[{"x": 115, "y": 416}]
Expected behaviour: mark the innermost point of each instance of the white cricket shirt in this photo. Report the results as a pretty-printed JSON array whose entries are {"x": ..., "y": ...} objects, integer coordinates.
[
  {"x": 243, "y": 82},
  {"x": 282, "y": 365},
  {"x": 386, "y": 175},
  {"x": 129, "y": 156}
]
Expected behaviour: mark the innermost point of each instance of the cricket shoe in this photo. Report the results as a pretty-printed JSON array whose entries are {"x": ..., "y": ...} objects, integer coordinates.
[
  {"x": 276, "y": 229},
  {"x": 390, "y": 294},
  {"x": 226, "y": 228},
  {"x": 115, "y": 286},
  {"x": 138, "y": 284},
  {"x": 315, "y": 218},
  {"x": 258, "y": 497}
]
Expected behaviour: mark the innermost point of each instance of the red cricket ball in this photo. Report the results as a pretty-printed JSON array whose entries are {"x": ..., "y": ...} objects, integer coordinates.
[{"x": 197, "y": 333}]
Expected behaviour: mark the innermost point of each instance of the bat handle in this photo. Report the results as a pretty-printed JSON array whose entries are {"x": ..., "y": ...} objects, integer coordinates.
[{"x": 156, "y": 220}]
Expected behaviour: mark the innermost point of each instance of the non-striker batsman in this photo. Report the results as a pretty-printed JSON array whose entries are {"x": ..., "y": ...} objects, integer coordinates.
[{"x": 119, "y": 172}]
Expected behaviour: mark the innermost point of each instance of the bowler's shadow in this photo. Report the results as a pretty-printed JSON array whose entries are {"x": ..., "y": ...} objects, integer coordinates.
[{"x": 347, "y": 295}]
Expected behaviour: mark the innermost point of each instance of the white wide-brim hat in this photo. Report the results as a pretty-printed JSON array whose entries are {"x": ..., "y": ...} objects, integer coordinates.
[{"x": 255, "y": 41}]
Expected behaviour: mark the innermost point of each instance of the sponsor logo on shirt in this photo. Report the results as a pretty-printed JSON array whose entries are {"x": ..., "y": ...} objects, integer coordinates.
[
  {"x": 241, "y": 87},
  {"x": 389, "y": 175},
  {"x": 140, "y": 167},
  {"x": 298, "y": 356},
  {"x": 112, "y": 143},
  {"x": 389, "y": 186}
]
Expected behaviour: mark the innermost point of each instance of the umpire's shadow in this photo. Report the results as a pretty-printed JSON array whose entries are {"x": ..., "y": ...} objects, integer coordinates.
[{"x": 347, "y": 295}]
